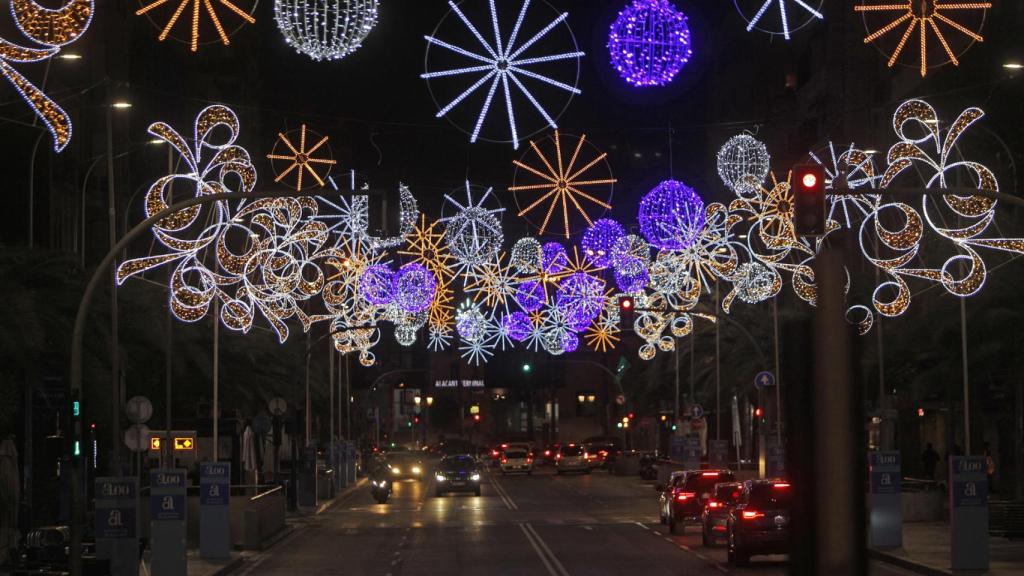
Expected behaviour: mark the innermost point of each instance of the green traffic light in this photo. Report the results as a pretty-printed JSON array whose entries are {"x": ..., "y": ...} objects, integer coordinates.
[
  {"x": 76, "y": 408},
  {"x": 527, "y": 367}
]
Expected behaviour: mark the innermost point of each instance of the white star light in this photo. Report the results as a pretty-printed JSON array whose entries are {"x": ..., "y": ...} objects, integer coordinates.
[
  {"x": 502, "y": 63},
  {"x": 782, "y": 14}
]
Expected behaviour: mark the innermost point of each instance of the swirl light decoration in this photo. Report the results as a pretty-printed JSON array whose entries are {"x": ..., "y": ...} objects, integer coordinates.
[
  {"x": 851, "y": 169},
  {"x": 755, "y": 13},
  {"x": 52, "y": 29},
  {"x": 924, "y": 18},
  {"x": 671, "y": 215},
  {"x": 325, "y": 29},
  {"x": 198, "y": 8},
  {"x": 649, "y": 43},
  {"x": 503, "y": 62},
  {"x": 568, "y": 183},
  {"x": 743, "y": 162},
  {"x": 961, "y": 220}
]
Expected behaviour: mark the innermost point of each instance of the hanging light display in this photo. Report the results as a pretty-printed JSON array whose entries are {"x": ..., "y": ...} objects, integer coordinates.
[
  {"x": 743, "y": 163},
  {"x": 473, "y": 234},
  {"x": 325, "y": 29},
  {"x": 376, "y": 285},
  {"x": 530, "y": 295},
  {"x": 516, "y": 325},
  {"x": 580, "y": 297},
  {"x": 755, "y": 12},
  {"x": 671, "y": 215},
  {"x": 197, "y": 7},
  {"x": 649, "y": 43},
  {"x": 599, "y": 241},
  {"x": 414, "y": 287},
  {"x": 526, "y": 256}
]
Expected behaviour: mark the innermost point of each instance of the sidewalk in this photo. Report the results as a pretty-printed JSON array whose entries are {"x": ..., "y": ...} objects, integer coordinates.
[
  {"x": 926, "y": 551},
  {"x": 205, "y": 567}
]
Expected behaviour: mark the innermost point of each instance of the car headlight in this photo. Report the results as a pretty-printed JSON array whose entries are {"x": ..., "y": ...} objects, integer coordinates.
[
  {"x": 475, "y": 477},
  {"x": 440, "y": 477},
  {"x": 416, "y": 470},
  {"x": 396, "y": 470}
]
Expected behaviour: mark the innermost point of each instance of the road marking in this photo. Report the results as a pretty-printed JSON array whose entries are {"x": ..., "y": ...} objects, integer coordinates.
[
  {"x": 503, "y": 494},
  {"x": 551, "y": 562},
  {"x": 588, "y": 527},
  {"x": 656, "y": 533},
  {"x": 642, "y": 525},
  {"x": 262, "y": 556}
]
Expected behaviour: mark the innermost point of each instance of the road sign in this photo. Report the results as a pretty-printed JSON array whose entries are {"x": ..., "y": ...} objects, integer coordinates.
[
  {"x": 696, "y": 424},
  {"x": 186, "y": 443},
  {"x": 696, "y": 411},
  {"x": 138, "y": 409},
  {"x": 764, "y": 379},
  {"x": 620, "y": 400},
  {"x": 277, "y": 406},
  {"x": 136, "y": 436}
]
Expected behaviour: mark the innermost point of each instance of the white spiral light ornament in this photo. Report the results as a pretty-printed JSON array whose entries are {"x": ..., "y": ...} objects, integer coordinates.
[{"x": 325, "y": 29}]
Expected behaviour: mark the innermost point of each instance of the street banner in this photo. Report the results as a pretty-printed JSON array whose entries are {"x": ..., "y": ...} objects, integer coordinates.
[
  {"x": 167, "y": 521},
  {"x": 117, "y": 529},
  {"x": 214, "y": 510},
  {"x": 968, "y": 513},
  {"x": 885, "y": 500}
]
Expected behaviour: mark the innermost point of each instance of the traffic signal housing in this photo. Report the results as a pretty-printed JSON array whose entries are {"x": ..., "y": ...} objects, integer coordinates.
[
  {"x": 627, "y": 304},
  {"x": 809, "y": 199}
]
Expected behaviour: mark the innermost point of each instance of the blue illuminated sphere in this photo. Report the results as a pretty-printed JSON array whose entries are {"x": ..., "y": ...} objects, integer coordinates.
[
  {"x": 632, "y": 275},
  {"x": 599, "y": 240},
  {"x": 570, "y": 341},
  {"x": 553, "y": 257},
  {"x": 649, "y": 43},
  {"x": 671, "y": 216},
  {"x": 517, "y": 326},
  {"x": 375, "y": 285},
  {"x": 530, "y": 295},
  {"x": 414, "y": 288}
]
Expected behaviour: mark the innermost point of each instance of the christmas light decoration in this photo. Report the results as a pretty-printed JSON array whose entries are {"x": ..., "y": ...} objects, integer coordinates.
[
  {"x": 851, "y": 170},
  {"x": 197, "y": 8},
  {"x": 671, "y": 215},
  {"x": 376, "y": 285},
  {"x": 325, "y": 29},
  {"x": 809, "y": 10},
  {"x": 52, "y": 29},
  {"x": 566, "y": 183},
  {"x": 603, "y": 335},
  {"x": 580, "y": 297},
  {"x": 299, "y": 159},
  {"x": 743, "y": 161},
  {"x": 352, "y": 215},
  {"x": 516, "y": 325},
  {"x": 414, "y": 287},
  {"x": 502, "y": 64},
  {"x": 599, "y": 241},
  {"x": 553, "y": 258},
  {"x": 755, "y": 282},
  {"x": 649, "y": 43},
  {"x": 526, "y": 256},
  {"x": 924, "y": 17},
  {"x": 530, "y": 295},
  {"x": 493, "y": 283},
  {"x": 628, "y": 247},
  {"x": 473, "y": 234},
  {"x": 631, "y": 275}
]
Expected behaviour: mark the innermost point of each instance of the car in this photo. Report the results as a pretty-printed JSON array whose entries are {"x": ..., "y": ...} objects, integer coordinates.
[
  {"x": 405, "y": 465},
  {"x": 687, "y": 495},
  {"x": 665, "y": 496},
  {"x": 759, "y": 523},
  {"x": 571, "y": 458},
  {"x": 603, "y": 450},
  {"x": 547, "y": 456},
  {"x": 516, "y": 460},
  {"x": 714, "y": 520},
  {"x": 457, "y": 473}
]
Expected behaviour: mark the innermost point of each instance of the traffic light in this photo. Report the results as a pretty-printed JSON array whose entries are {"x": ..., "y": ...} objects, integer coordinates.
[
  {"x": 416, "y": 419},
  {"x": 476, "y": 417},
  {"x": 809, "y": 199},
  {"x": 527, "y": 367},
  {"x": 626, "y": 307}
]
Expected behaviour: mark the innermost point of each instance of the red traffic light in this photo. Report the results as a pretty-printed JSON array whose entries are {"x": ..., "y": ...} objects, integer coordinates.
[
  {"x": 476, "y": 417},
  {"x": 626, "y": 302},
  {"x": 809, "y": 180},
  {"x": 809, "y": 201},
  {"x": 758, "y": 412},
  {"x": 630, "y": 415}
]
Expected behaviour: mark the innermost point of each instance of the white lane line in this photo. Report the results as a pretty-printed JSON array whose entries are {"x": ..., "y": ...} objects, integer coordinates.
[
  {"x": 262, "y": 556},
  {"x": 503, "y": 494},
  {"x": 554, "y": 564},
  {"x": 536, "y": 548},
  {"x": 656, "y": 533},
  {"x": 642, "y": 525}
]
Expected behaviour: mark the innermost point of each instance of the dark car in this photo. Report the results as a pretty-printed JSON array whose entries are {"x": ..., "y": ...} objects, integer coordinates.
[
  {"x": 458, "y": 473},
  {"x": 603, "y": 450},
  {"x": 686, "y": 498},
  {"x": 404, "y": 464},
  {"x": 759, "y": 522},
  {"x": 715, "y": 518}
]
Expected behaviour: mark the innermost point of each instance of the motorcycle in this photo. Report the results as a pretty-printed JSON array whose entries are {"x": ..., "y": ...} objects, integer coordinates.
[{"x": 380, "y": 489}]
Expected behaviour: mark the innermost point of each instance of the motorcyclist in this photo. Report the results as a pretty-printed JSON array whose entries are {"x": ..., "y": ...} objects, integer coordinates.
[{"x": 380, "y": 481}]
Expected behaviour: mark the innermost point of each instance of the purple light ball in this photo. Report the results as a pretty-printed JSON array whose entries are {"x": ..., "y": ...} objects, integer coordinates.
[
  {"x": 649, "y": 43},
  {"x": 530, "y": 295},
  {"x": 375, "y": 285},
  {"x": 599, "y": 240},
  {"x": 414, "y": 288},
  {"x": 671, "y": 216},
  {"x": 580, "y": 298},
  {"x": 570, "y": 341},
  {"x": 517, "y": 326},
  {"x": 553, "y": 258}
]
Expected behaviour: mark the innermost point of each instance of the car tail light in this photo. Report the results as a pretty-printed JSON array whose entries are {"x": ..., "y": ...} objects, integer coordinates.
[
  {"x": 781, "y": 485},
  {"x": 586, "y": 456},
  {"x": 709, "y": 474},
  {"x": 752, "y": 514},
  {"x": 558, "y": 456},
  {"x": 547, "y": 452},
  {"x": 714, "y": 504},
  {"x": 494, "y": 453},
  {"x": 603, "y": 453},
  {"x": 504, "y": 445},
  {"x": 529, "y": 459},
  {"x": 718, "y": 528},
  {"x": 684, "y": 496},
  {"x": 504, "y": 460}
]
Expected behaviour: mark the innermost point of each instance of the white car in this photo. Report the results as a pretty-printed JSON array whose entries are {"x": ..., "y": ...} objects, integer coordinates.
[
  {"x": 572, "y": 458},
  {"x": 516, "y": 460}
]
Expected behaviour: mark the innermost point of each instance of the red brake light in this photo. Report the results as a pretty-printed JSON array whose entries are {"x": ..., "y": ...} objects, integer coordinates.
[
  {"x": 780, "y": 485},
  {"x": 547, "y": 452},
  {"x": 558, "y": 456},
  {"x": 709, "y": 474},
  {"x": 714, "y": 504},
  {"x": 494, "y": 453},
  {"x": 683, "y": 496},
  {"x": 504, "y": 445},
  {"x": 752, "y": 515}
]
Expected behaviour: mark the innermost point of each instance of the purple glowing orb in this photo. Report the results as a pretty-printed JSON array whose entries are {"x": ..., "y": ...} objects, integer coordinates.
[
  {"x": 517, "y": 326},
  {"x": 649, "y": 43},
  {"x": 375, "y": 285},
  {"x": 671, "y": 216},
  {"x": 530, "y": 295},
  {"x": 414, "y": 288},
  {"x": 599, "y": 240}
]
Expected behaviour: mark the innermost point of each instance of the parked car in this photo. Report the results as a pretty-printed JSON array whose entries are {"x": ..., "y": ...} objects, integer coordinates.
[
  {"x": 759, "y": 522},
  {"x": 571, "y": 458},
  {"x": 714, "y": 519},
  {"x": 457, "y": 473},
  {"x": 665, "y": 496},
  {"x": 516, "y": 460},
  {"x": 547, "y": 456},
  {"x": 687, "y": 495},
  {"x": 649, "y": 466}
]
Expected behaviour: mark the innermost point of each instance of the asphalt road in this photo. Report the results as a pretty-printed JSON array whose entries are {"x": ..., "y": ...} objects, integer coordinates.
[{"x": 587, "y": 525}]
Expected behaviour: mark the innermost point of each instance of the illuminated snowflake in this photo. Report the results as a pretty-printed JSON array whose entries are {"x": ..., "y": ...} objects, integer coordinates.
[
  {"x": 851, "y": 170},
  {"x": 473, "y": 234},
  {"x": 501, "y": 63},
  {"x": 808, "y": 11},
  {"x": 198, "y": 7},
  {"x": 299, "y": 159}
]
